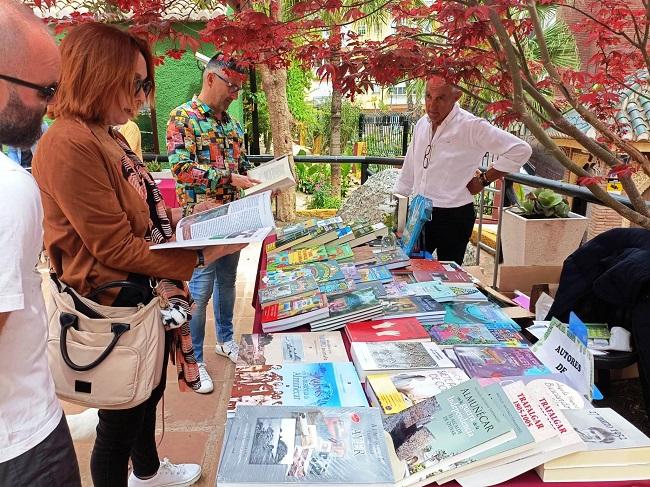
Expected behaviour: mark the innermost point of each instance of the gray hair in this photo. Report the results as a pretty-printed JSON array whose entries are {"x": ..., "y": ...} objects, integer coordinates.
[{"x": 219, "y": 64}]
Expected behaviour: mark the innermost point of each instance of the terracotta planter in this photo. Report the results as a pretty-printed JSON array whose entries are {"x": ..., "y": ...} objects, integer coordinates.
[{"x": 544, "y": 241}]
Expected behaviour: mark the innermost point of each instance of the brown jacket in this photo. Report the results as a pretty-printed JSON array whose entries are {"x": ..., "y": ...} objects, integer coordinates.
[{"x": 94, "y": 221}]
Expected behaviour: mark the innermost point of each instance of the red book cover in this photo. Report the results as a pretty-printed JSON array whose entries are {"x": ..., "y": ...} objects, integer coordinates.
[
  {"x": 427, "y": 270},
  {"x": 390, "y": 330}
]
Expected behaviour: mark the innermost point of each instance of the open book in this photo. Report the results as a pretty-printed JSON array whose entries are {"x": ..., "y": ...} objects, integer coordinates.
[
  {"x": 275, "y": 175},
  {"x": 243, "y": 221}
]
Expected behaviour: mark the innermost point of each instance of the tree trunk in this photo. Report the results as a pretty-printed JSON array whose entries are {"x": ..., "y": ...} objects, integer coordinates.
[
  {"x": 410, "y": 106},
  {"x": 274, "y": 83},
  {"x": 335, "y": 141},
  {"x": 335, "y": 122}
]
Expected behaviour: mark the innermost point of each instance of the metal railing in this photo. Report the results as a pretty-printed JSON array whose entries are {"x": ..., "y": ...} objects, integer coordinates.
[{"x": 566, "y": 189}]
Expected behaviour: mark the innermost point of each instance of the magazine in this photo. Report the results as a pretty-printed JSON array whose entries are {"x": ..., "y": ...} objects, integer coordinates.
[
  {"x": 242, "y": 221},
  {"x": 275, "y": 175}
]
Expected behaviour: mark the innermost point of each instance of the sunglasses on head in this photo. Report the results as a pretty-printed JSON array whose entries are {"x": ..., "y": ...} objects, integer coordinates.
[
  {"x": 145, "y": 85},
  {"x": 45, "y": 92}
]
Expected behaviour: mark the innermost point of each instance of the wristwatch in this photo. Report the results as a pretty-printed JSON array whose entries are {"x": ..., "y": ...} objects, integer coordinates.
[
  {"x": 200, "y": 259},
  {"x": 483, "y": 179}
]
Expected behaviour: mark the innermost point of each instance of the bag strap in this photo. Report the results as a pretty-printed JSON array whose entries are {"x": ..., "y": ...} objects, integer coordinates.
[
  {"x": 120, "y": 284},
  {"x": 78, "y": 304},
  {"x": 68, "y": 320}
]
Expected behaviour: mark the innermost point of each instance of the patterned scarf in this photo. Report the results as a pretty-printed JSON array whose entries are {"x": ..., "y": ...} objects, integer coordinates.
[{"x": 175, "y": 293}]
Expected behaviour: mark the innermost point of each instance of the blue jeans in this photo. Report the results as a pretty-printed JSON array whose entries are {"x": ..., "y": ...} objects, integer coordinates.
[{"x": 216, "y": 280}]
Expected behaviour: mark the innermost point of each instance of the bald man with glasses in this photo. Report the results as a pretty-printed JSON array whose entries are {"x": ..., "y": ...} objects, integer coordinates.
[{"x": 442, "y": 163}]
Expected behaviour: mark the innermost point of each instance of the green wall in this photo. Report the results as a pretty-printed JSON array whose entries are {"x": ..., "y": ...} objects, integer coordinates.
[{"x": 177, "y": 81}]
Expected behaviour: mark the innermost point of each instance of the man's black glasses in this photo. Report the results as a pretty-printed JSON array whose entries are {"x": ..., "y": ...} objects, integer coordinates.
[
  {"x": 143, "y": 84},
  {"x": 232, "y": 87},
  {"x": 45, "y": 92}
]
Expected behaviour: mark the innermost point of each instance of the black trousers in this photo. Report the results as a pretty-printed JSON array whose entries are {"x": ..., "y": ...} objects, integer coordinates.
[
  {"x": 449, "y": 231},
  {"x": 51, "y": 463},
  {"x": 128, "y": 433}
]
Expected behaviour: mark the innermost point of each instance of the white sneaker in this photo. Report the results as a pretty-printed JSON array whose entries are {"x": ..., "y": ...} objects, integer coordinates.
[
  {"x": 206, "y": 381},
  {"x": 228, "y": 349},
  {"x": 169, "y": 475}
]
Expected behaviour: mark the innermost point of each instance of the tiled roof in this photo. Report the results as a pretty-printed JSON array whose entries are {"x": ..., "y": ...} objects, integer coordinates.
[{"x": 633, "y": 115}]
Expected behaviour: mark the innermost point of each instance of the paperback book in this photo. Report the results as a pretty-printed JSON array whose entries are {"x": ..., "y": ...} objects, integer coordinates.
[
  {"x": 275, "y": 175},
  {"x": 438, "y": 270},
  {"x": 288, "y": 258},
  {"x": 290, "y": 313},
  {"x": 383, "y": 330},
  {"x": 423, "y": 307},
  {"x": 472, "y": 313},
  {"x": 374, "y": 273},
  {"x": 450, "y": 427},
  {"x": 337, "y": 287},
  {"x": 242, "y": 221},
  {"x": 436, "y": 289},
  {"x": 297, "y": 288},
  {"x": 392, "y": 259},
  {"x": 449, "y": 335},
  {"x": 392, "y": 357},
  {"x": 278, "y": 446},
  {"x": 323, "y": 384},
  {"x": 394, "y": 393},
  {"x": 495, "y": 361},
  {"x": 464, "y": 293},
  {"x": 287, "y": 241},
  {"x": 282, "y": 348},
  {"x": 339, "y": 251},
  {"x": 346, "y": 307}
]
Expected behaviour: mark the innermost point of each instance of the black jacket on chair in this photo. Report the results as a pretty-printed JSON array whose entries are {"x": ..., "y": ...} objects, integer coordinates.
[{"x": 608, "y": 280}]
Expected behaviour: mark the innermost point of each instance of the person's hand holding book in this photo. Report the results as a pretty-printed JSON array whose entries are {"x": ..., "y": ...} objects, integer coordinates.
[{"x": 243, "y": 182}]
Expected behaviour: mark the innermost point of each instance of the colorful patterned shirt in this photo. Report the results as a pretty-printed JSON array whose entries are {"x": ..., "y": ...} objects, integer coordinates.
[{"x": 204, "y": 152}]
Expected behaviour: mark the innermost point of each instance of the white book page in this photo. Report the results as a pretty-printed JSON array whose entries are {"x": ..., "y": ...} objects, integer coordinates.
[{"x": 241, "y": 221}]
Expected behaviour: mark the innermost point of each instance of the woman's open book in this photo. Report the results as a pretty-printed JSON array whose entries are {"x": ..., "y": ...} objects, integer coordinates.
[{"x": 243, "y": 221}]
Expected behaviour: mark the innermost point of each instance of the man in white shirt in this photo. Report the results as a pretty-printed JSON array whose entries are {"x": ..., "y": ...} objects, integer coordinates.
[
  {"x": 442, "y": 164},
  {"x": 36, "y": 449}
]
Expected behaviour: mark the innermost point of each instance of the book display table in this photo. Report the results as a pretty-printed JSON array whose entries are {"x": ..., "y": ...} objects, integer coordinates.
[{"x": 527, "y": 479}]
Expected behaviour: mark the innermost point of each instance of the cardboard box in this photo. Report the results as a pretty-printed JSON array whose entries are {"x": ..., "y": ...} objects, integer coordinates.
[{"x": 522, "y": 278}]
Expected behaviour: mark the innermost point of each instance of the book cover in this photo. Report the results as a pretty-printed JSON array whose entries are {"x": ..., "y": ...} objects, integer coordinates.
[
  {"x": 448, "y": 334},
  {"x": 351, "y": 302},
  {"x": 339, "y": 251},
  {"x": 392, "y": 356},
  {"x": 287, "y": 308},
  {"x": 436, "y": 289},
  {"x": 611, "y": 440},
  {"x": 463, "y": 292},
  {"x": 444, "y": 276},
  {"x": 286, "y": 241},
  {"x": 396, "y": 289},
  {"x": 407, "y": 306},
  {"x": 364, "y": 255},
  {"x": 376, "y": 287},
  {"x": 374, "y": 273},
  {"x": 281, "y": 277},
  {"x": 398, "y": 329},
  {"x": 318, "y": 384},
  {"x": 396, "y": 392},
  {"x": 349, "y": 271},
  {"x": 470, "y": 313},
  {"x": 494, "y": 361},
  {"x": 298, "y": 287},
  {"x": 281, "y": 348},
  {"x": 312, "y": 446},
  {"x": 274, "y": 175},
  {"x": 337, "y": 287},
  {"x": 449, "y": 427},
  {"x": 308, "y": 255},
  {"x": 419, "y": 211},
  {"x": 328, "y": 270},
  {"x": 392, "y": 259}
]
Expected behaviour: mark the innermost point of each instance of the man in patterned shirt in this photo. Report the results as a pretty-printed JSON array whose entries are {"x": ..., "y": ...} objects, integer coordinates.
[{"x": 206, "y": 150}]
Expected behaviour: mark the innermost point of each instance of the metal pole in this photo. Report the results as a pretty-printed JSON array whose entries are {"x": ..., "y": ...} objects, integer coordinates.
[
  {"x": 481, "y": 205},
  {"x": 255, "y": 120},
  {"x": 497, "y": 253},
  {"x": 405, "y": 135}
]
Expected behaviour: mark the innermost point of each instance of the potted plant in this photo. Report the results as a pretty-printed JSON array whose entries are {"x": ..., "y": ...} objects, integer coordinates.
[
  {"x": 157, "y": 171},
  {"x": 541, "y": 231}
]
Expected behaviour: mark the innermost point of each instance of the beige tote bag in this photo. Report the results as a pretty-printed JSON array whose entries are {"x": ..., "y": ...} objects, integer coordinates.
[{"x": 102, "y": 356}]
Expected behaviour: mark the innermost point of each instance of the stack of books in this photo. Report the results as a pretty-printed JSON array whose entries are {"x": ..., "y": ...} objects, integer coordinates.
[{"x": 350, "y": 306}]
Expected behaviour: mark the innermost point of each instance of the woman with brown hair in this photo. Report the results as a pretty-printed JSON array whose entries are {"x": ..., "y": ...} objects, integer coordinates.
[{"x": 102, "y": 211}]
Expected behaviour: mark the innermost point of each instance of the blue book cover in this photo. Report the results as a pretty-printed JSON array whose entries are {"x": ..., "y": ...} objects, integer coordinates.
[
  {"x": 472, "y": 313},
  {"x": 318, "y": 384},
  {"x": 419, "y": 211}
]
